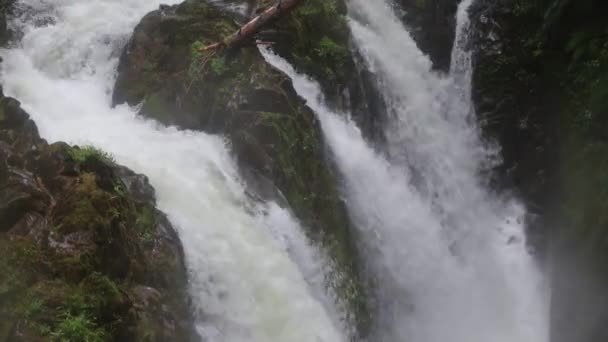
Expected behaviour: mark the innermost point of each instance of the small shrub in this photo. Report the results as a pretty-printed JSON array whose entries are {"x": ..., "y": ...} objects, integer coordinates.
[
  {"x": 79, "y": 328},
  {"x": 328, "y": 49},
  {"x": 218, "y": 66},
  {"x": 195, "y": 50},
  {"x": 32, "y": 308},
  {"x": 77, "y": 304},
  {"x": 82, "y": 154}
]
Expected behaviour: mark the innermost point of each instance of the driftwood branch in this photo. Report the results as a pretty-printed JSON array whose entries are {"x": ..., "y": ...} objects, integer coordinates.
[{"x": 250, "y": 29}]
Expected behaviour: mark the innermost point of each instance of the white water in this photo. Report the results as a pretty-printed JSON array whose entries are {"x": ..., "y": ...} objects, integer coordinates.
[
  {"x": 448, "y": 257},
  {"x": 253, "y": 275}
]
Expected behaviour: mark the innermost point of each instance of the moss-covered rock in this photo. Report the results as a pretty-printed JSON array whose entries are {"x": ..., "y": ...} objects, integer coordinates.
[
  {"x": 316, "y": 40},
  {"x": 80, "y": 238},
  {"x": 276, "y": 139}
]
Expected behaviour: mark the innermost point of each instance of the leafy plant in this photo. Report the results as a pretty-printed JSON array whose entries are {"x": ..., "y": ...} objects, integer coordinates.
[{"x": 195, "y": 50}]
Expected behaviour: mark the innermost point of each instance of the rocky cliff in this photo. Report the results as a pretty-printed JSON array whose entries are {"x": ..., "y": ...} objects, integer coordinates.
[
  {"x": 275, "y": 138},
  {"x": 86, "y": 256},
  {"x": 540, "y": 86}
]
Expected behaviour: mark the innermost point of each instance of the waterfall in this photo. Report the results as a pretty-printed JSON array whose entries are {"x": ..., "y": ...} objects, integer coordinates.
[
  {"x": 447, "y": 256},
  {"x": 253, "y": 275}
]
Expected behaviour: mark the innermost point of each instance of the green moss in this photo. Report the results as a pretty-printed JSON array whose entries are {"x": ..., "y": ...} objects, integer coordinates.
[
  {"x": 83, "y": 217},
  {"x": 239, "y": 95},
  {"x": 79, "y": 328},
  {"x": 218, "y": 65},
  {"x": 90, "y": 208},
  {"x": 66, "y": 271},
  {"x": 18, "y": 265},
  {"x": 146, "y": 224},
  {"x": 332, "y": 51},
  {"x": 322, "y": 54},
  {"x": 309, "y": 186},
  {"x": 86, "y": 153}
]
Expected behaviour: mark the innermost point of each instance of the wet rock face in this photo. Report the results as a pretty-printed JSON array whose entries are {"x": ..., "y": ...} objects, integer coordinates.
[
  {"x": 540, "y": 81},
  {"x": 515, "y": 99},
  {"x": 80, "y": 238},
  {"x": 432, "y": 24},
  {"x": 275, "y": 138}
]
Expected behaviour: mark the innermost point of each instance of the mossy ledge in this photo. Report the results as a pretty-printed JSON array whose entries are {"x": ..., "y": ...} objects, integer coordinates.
[
  {"x": 275, "y": 138},
  {"x": 85, "y": 255},
  {"x": 316, "y": 40}
]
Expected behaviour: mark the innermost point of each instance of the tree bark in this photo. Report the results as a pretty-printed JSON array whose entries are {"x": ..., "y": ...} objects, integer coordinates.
[{"x": 250, "y": 29}]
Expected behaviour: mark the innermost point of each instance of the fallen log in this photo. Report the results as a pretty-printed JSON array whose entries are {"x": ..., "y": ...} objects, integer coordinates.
[{"x": 250, "y": 29}]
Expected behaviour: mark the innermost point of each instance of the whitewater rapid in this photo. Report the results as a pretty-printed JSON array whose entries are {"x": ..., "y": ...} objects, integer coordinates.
[
  {"x": 447, "y": 256},
  {"x": 253, "y": 275}
]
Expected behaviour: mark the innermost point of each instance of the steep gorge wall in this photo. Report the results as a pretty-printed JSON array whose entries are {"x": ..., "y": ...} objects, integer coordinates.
[{"x": 540, "y": 89}]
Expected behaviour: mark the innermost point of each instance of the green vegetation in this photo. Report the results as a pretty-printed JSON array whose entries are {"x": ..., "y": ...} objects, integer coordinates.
[
  {"x": 78, "y": 328},
  {"x": 86, "y": 153},
  {"x": 146, "y": 224},
  {"x": 218, "y": 65},
  {"x": 322, "y": 54},
  {"x": 74, "y": 275},
  {"x": 237, "y": 94},
  {"x": 332, "y": 51}
]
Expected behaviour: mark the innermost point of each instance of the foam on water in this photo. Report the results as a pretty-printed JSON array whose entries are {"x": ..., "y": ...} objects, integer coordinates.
[
  {"x": 447, "y": 256},
  {"x": 253, "y": 274}
]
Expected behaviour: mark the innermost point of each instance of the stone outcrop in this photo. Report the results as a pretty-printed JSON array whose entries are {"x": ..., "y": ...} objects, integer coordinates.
[
  {"x": 275, "y": 138},
  {"x": 85, "y": 255},
  {"x": 432, "y": 23}
]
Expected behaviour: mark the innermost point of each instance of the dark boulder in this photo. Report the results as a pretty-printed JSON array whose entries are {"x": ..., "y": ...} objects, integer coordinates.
[{"x": 275, "y": 138}]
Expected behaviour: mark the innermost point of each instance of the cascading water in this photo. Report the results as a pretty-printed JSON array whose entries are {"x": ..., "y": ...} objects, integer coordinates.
[
  {"x": 244, "y": 283},
  {"x": 447, "y": 257}
]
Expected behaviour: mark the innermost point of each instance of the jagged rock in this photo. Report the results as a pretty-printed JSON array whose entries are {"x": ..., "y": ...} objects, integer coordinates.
[
  {"x": 79, "y": 235},
  {"x": 276, "y": 139},
  {"x": 432, "y": 24}
]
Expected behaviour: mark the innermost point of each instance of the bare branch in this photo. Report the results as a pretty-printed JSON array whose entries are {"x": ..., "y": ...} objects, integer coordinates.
[{"x": 250, "y": 29}]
